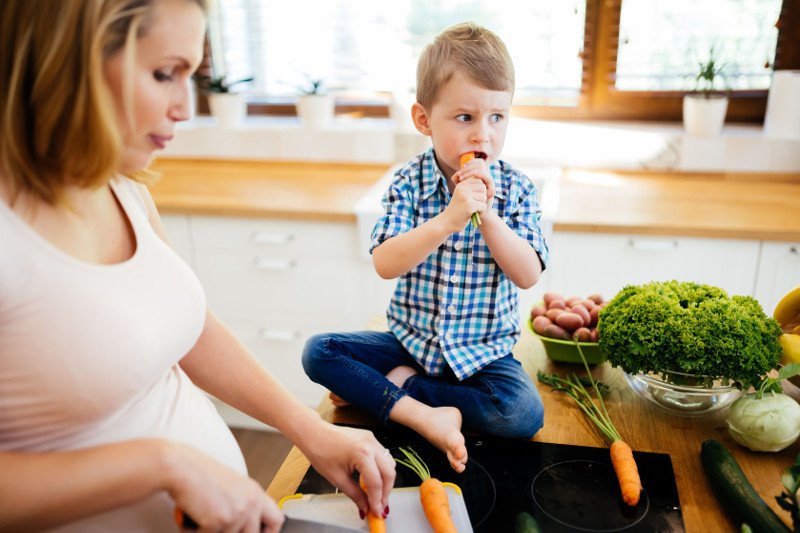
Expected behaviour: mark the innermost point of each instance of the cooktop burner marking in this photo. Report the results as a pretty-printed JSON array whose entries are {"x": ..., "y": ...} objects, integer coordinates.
[{"x": 576, "y": 493}]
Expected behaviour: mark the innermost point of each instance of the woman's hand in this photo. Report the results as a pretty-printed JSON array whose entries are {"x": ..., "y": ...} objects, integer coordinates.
[
  {"x": 217, "y": 497},
  {"x": 336, "y": 452}
]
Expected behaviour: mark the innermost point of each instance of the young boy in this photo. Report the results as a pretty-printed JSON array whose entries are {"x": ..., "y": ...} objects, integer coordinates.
[{"x": 454, "y": 316}]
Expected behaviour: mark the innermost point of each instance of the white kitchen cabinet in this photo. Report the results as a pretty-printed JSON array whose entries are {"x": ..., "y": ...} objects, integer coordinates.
[
  {"x": 588, "y": 263},
  {"x": 276, "y": 282},
  {"x": 778, "y": 272}
]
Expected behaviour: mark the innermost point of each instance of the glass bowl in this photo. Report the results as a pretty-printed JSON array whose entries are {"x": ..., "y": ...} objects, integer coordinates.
[{"x": 684, "y": 394}]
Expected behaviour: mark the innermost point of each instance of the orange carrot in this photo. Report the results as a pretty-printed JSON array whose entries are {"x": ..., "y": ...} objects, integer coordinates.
[
  {"x": 622, "y": 460},
  {"x": 627, "y": 472},
  {"x": 466, "y": 158},
  {"x": 432, "y": 494},
  {"x": 376, "y": 523}
]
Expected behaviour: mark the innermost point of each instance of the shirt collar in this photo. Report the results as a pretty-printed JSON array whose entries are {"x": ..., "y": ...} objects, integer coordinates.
[{"x": 433, "y": 178}]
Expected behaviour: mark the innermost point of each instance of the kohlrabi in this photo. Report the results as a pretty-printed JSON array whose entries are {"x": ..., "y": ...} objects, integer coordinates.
[{"x": 766, "y": 420}]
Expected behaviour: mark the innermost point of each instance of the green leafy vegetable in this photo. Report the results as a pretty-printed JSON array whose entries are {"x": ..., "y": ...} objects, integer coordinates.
[{"x": 698, "y": 329}]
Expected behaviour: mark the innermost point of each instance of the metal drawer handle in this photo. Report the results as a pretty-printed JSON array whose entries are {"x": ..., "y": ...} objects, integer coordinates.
[
  {"x": 263, "y": 263},
  {"x": 278, "y": 335},
  {"x": 649, "y": 245},
  {"x": 262, "y": 237}
]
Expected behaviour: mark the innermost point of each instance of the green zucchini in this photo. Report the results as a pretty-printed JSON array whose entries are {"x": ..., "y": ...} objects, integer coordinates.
[{"x": 735, "y": 492}]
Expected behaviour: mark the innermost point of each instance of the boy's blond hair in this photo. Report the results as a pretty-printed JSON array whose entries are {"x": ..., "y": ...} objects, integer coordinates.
[
  {"x": 58, "y": 126},
  {"x": 470, "y": 49}
]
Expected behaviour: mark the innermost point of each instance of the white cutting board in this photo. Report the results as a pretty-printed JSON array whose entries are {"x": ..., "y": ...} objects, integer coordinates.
[{"x": 405, "y": 510}]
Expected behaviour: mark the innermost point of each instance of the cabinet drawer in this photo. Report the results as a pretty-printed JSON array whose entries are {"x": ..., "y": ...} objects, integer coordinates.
[
  {"x": 586, "y": 263},
  {"x": 252, "y": 284},
  {"x": 277, "y": 342},
  {"x": 288, "y": 238}
]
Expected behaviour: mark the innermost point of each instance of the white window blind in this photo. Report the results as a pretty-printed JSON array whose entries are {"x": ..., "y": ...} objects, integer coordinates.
[{"x": 367, "y": 46}]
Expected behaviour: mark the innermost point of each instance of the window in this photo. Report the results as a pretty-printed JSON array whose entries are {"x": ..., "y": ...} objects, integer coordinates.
[{"x": 573, "y": 58}]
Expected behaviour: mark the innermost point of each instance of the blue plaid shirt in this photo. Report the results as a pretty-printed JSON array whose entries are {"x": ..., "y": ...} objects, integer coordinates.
[{"x": 457, "y": 308}]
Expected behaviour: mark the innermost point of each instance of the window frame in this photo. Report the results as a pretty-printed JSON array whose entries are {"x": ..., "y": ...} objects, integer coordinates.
[{"x": 597, "y": 100}]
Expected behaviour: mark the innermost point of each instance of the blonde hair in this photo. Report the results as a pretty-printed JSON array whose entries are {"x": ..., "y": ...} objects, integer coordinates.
[
  {"x": 467, "y": 48},
  {"x": 58, "y": 124}
]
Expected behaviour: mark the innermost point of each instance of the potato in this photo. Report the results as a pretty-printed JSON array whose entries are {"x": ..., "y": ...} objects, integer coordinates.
[
  {"x": 555, "y": 332},
  {"x": 572, "y": 300},
  {"x": 596, "y": 298},
  {"x": 588, "y": 304},
  {"x": 540, "y": 323},
  {"x": 553, "y": 313},
  {"x": 582, "y": 335},
  {"x": 595, "y": 335},
  {"x": 539, "y": 310},
  {"x": 550, "y": 296},
  {"x": 593, "y": 314},
  {"x": 569, "y": 321},
  {"x": 557, "y": 304},
  {"x": 579, "y": 309}
]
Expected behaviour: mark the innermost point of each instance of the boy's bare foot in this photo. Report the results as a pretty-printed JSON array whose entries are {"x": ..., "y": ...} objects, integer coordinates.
[
  {"x": 443, "y": 430},
  {"x": 441, "y": 426},
  {"x": 337, "y": 401}
]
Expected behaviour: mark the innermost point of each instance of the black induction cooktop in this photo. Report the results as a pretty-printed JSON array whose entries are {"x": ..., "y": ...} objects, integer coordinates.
[{"x": 564, "y": 488}]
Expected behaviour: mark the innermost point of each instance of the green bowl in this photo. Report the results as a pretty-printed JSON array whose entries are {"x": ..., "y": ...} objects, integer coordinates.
[{"x": 566, "y": 351}]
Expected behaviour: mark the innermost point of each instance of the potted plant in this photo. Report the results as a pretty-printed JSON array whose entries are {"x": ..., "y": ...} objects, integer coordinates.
[
  {"x": 704, "y": 109},
  {"x": 228, "y": 108},
  {"x": 315, "y": 106}
]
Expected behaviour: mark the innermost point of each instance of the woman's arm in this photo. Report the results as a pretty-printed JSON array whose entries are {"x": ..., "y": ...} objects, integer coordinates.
[
  {"x": 221, "y": 364},
  {"x": 44, "y": 490}
]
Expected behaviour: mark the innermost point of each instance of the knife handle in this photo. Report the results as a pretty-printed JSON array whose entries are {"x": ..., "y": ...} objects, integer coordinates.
[{"x": 185, "y": 521}]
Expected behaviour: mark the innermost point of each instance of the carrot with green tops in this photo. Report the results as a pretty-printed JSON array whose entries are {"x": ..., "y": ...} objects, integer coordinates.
[
  {"x": 466, "y": 158},
  {"x": 432, "y": 494},
  {"x": 621, "y": 454},
  {"x": 377, "y": 524}
]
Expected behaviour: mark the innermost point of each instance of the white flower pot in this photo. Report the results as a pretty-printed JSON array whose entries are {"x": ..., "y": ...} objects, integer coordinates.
[
  {"x": 229, "y": 109},
  {"x": 704, "y": 117},
  {"x": 315, "y": 110}
]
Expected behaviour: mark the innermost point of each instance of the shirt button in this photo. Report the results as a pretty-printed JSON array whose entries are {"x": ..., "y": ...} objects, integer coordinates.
[
  {"x": 452, "y": 308},
  {"x": 457, "y": 246},
  {"x": 453, "y": 278}
]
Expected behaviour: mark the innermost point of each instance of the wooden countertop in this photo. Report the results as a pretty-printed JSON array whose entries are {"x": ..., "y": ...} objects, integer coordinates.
[
  {"x": 726, "y": 205},
  {"x": 300, "y": 190},
  {"x": 644, "y": 426}
]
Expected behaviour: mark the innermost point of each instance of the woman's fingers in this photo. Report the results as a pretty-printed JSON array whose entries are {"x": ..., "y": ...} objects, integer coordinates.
[{"x": 388, "y": 472}]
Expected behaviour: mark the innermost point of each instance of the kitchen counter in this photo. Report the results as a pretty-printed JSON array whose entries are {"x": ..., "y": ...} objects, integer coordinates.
[
  {"x": 295, "y": 190},
  {"x": 644, "y": 426},
  {"x": 756, "y": 206}
]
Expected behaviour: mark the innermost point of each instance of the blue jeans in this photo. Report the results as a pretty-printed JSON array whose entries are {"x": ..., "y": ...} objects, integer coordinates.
[{"x": 499, "y": 399}]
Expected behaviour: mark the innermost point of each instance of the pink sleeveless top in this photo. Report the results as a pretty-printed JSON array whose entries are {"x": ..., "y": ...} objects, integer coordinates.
[{"x": 89, "y": 353}]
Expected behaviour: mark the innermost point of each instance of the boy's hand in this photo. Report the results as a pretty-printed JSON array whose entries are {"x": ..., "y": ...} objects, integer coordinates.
[
  {"x": 476, "y": 168},
  {"x": 474, "y": 190},
  {"x": 469, "y": 196}
]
